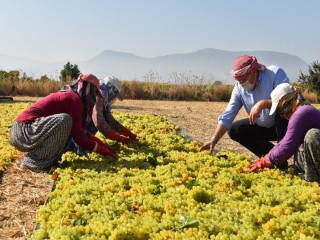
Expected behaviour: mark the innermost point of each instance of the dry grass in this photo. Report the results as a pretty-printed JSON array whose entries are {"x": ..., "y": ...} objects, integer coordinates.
[
  {"x": 24, "y": 191},
  {"x": 189, "y": 88}
]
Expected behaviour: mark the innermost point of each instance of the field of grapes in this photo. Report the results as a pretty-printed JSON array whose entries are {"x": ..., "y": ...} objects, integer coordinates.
[{"x": 161, "y": 187}]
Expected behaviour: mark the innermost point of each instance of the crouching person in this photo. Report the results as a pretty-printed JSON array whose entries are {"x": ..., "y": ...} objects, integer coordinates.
[
  {"x": 44, "y": 129},
  {"x": 302, "y": 138}
]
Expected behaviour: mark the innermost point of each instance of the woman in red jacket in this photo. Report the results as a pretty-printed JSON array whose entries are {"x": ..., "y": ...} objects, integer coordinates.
[
  {"x": 98, "y": 116},
  {"x": 43, "y": 130}
]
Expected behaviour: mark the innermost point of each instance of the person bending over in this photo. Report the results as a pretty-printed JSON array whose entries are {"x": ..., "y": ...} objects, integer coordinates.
[
  {"x": 302, "y": 138},
  {"x": 44, "y": 129}
]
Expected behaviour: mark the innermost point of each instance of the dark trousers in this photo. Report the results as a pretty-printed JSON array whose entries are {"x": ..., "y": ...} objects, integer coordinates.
[{"x": 255, "y": 138}]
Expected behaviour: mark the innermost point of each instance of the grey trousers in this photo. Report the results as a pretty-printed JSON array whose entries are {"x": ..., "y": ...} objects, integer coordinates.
[
  {"x": 307, "y": 158},
  {"x": 44, "y": 140}
]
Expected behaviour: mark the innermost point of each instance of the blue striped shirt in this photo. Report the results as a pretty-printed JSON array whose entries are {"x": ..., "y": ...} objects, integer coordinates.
[{"x": 267, "y": 81}]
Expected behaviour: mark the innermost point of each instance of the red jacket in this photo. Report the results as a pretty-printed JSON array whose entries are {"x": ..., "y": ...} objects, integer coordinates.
[{"x": 60, "y": 102}]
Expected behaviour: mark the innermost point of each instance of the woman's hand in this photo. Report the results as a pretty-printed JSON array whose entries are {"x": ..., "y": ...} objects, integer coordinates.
[
  {"x": 261, "y": 163},
  {"x": 106, "y": 150}
]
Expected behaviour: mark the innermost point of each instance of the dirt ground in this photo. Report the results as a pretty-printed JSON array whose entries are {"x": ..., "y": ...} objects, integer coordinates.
[{"x": 23, "y": 191}]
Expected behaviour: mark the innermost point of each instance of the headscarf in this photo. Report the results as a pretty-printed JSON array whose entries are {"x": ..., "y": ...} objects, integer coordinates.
[
  {"x": 290, "y": 103},
  {"x": 88, "y": 88},
  {"x": 109, "y": 92},
  {"x": 244, "y": 65},
  {"x": 110, "y": 88}
]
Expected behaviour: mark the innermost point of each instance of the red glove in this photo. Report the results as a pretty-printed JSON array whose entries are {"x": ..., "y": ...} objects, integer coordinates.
[
  {"x": 105, "y": 151},
  {"x": 114, "y": 136},
  {"x": 128, "y": 133},
  {"x": 261, "y": 163},
  {"x": 105, "y": 145},
  {"x": 95, "y": 139}
]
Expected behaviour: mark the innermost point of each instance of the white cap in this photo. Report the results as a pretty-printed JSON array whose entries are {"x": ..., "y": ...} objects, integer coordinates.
[{"x": 280, "y": 91}]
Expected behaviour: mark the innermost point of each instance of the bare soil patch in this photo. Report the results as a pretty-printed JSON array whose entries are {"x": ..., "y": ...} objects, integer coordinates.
[{"x": 22, "y": 191}]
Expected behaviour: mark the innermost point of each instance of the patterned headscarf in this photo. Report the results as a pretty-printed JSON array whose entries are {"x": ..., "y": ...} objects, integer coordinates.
[
  {"x": 290, "y": 103},
  {"x": 110, "y": 93},
  {"x": 244, "y": 65},
  {"x": 86, "y": 87}
]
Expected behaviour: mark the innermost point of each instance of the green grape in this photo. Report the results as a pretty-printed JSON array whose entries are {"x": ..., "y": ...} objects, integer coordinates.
[{"x": 162, "y": 176}]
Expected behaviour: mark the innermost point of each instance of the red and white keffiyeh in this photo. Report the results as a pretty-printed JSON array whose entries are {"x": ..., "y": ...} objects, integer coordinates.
[{"x": 244, "y": 65}]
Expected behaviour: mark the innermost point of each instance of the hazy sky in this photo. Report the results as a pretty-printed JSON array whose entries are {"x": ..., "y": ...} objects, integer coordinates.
[{"x": 70, "y": 30}]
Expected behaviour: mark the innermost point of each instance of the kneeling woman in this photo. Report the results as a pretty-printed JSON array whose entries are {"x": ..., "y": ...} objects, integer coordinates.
[
  {"x": 302, "y": 138},
  {"x": 44, "y": 129}
]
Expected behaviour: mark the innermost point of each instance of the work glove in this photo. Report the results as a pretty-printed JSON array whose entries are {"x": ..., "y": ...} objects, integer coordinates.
[
  {"x": 114, "y": 136},
  {"x": 95, "y": 139},
  {"x": 261, "y": 163},
  {"x": 106, "y": 151},
  {"x": 103, "y": 144},
  {"x": 128, "y": 133}
]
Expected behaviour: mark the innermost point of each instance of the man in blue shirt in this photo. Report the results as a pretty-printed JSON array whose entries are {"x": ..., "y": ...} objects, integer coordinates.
[{"x": 252, "y": 90}]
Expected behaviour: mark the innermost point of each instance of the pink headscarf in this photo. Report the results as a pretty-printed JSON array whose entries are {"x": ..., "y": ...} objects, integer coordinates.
[
  {"x": 90, "y": 78},
  {"x": 85, "y": 94},
  {"x": 244, "y": 65}
]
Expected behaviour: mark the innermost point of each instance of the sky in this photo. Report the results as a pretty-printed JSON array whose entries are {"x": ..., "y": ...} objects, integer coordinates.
[{"x": 59, "y": 30}]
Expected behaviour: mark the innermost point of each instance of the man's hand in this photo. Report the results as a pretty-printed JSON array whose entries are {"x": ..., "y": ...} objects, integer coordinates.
[
  {"x": 209, "y": 145},
  {"x": 254, "y": 113},
  {"x": 257, "y": 108},
  {"x": 261, "y": 163}
]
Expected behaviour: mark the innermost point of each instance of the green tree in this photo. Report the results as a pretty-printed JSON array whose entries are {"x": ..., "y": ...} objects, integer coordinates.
[
  {"x": 12, "y": 76},
  {"x": 311, "y": 80},
  {"x": 44, "y": 78},
  {"x": 69, "y": 72},
  {"x": 217, "y": 83}
]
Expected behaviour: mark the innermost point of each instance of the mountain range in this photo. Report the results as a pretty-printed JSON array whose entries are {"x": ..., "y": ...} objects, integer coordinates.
[{"x": 209, "y": 63}]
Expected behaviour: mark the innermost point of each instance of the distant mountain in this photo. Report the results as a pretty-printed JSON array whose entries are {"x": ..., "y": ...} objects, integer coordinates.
[
  {"x": 212, "y": 64},
  {"x": 31, "y": 67},
  {"x": 16, "y": 63}
]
